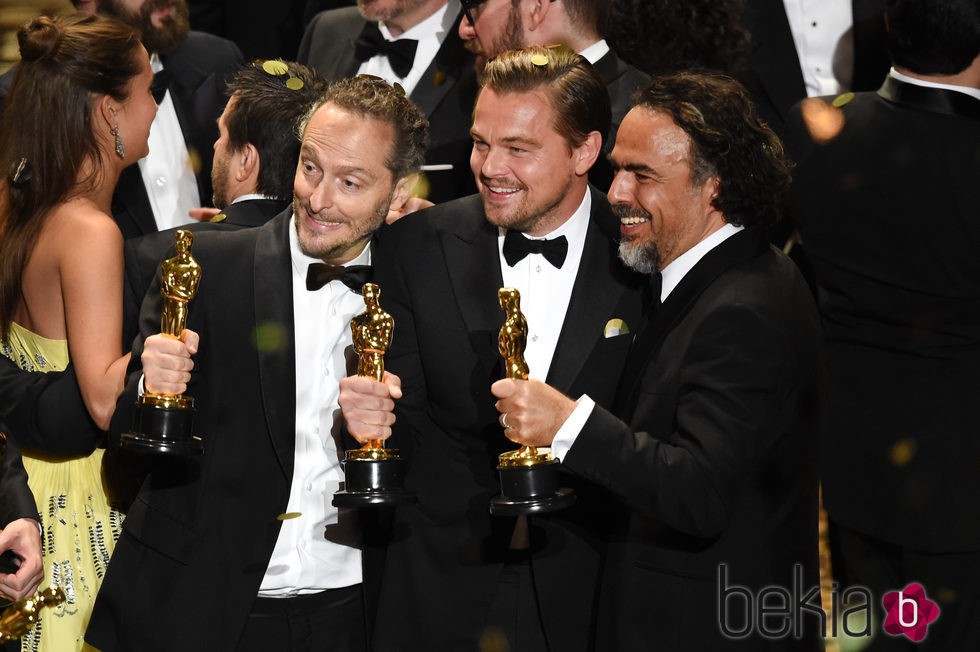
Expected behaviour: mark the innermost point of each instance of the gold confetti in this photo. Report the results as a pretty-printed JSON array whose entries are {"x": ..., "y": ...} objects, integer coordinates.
[
  {"x": 288, "y": 515},
  {"x": 539, "y": 60},
  {"x": 270, "y": 337},
  {"x": 439, "y": 78},
  {"x": 842, "y": 99},
  {"x": 902, "y": 452},
  {"x": 275, "y": 68},
  {"x": 220, "y": 217},
  {"x": 294, "y": 83}
]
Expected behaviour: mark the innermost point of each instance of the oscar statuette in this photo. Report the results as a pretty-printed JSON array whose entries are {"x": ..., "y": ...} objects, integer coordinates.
[
  {"x": 373, "y": 474},
  {"x": 18, "y": 619},
  {"x": 162, "y": 423},
  {"x": 529, "y": 478}
]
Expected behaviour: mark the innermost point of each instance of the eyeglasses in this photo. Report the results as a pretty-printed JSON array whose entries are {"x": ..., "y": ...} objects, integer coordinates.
[{"x": 468, "y": 7}]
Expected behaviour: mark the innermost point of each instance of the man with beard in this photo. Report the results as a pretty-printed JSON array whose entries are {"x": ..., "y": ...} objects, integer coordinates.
[
  {"x": 413, "y": 43},
  {"x": 492, "y": 26},
  {"x": 711, "y": 448},
  {"x": 239, "y": 548},
  {"x": 191, "y": 70},
  {"x": 455, "y": 577}
]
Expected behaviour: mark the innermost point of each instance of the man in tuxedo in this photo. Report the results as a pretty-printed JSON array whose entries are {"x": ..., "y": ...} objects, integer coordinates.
[
  {"x": 805, "y": 49},
  {"x": 413, "y": 43},
  {"x": 886, "y": 204},
  {"x": 711, "y": 446},
  {"x": 492, "y": 26},
  {"x": 456, "y": 577},
  {"x": 239, "y": 548},
  {"x": 20, "y": 535},
  {"x": 191, "y": 72},
  {"x": 255, "y": 158}
]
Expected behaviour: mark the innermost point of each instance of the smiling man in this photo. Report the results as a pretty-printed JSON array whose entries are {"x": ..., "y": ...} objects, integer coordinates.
[
  {"x": 457, "y": 578},
  {"x": 711, "y": 446},
  {"x": 240, "y": 549}
]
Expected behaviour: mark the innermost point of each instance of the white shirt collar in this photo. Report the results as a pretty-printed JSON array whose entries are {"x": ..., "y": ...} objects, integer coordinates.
[
  {"x": 250, "y": 197},
  {"x": 595, "y": 51},
  {"x": 673, "y": 273},
  {"x": 968, "y": 90}
]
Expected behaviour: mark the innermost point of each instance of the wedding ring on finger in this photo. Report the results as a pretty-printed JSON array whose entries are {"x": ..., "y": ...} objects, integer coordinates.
[{"x": 503, "y": 421}]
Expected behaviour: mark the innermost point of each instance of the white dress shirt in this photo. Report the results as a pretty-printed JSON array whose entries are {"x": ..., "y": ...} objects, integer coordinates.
[
  {"x": 817, "y": 27},
  {"x": 430, "y": 34},
  {"x": 316, "y": 550},
  {"x": 671, "y": 275},
  {"x": 546, "y": 290},
  {"x": 167, "y": 171}
]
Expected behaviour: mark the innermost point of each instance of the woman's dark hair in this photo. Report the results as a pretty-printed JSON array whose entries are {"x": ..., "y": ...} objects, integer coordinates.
[{"x": 46, "y": 136}]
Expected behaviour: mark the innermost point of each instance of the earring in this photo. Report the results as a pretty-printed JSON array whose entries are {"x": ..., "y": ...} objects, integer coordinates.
[{"x": 120, "y": 150}]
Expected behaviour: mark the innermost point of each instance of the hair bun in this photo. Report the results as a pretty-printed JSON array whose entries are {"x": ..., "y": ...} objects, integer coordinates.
[{"x": 39, "y": 39}]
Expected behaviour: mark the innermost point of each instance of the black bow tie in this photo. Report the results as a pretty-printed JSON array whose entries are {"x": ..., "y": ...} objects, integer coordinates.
[
  {"x": 161, "y": 81},
  {"x": 517, "y": 247},
  {"x": 353, "y": 276},
  {"x": 400, "y": 53}
]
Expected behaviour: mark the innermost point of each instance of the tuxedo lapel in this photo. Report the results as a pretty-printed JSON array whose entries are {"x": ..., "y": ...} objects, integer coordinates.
[
  {"x": 443, "y": 73},
  {"x": 252, "y": 212},
  {"x": 274, "y": 335},
  {"x": 473, "y": 261},
  {"x": 594, "y": 296},
  {"x": 738, "y": 248}
]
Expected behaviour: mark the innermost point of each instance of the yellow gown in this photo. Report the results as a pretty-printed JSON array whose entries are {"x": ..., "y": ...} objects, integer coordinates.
[{"x": 79, "y": 527}]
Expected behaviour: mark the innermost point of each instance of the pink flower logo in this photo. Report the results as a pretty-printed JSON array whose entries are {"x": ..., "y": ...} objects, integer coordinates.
[{"x": 909, "y": 612}]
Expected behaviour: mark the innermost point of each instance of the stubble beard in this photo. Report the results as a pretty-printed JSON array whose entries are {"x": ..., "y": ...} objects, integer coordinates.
[{"x": 308, "y": 243}]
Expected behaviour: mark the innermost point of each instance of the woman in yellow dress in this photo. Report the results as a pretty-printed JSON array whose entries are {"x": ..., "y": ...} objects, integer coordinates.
[{"x": 79, "y": 111}]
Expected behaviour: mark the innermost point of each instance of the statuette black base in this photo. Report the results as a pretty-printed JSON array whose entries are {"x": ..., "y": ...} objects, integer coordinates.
[
  {"x": 370, "y": 482},
  {"x": 162, "y": 431},
  {"x": 530, "y": 490}
]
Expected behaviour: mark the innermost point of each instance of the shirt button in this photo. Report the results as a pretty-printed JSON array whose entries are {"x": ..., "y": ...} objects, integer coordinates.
[
  {"x": 333, "y": 312},
  {"x": 538, "y": 269},
  {"x": 534, "y": 338},
  {"x": 309, "y": 486},
  {"x": 161, "y": 181}
]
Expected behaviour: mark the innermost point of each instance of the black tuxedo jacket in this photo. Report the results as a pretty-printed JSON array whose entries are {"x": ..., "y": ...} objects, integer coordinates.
[
  {"x": 774, "y": 77},
  {"x": 714, "y": 456},
  {"x": 439, "y": 272},
  {"x": 16, "y": 499},
  {"x": 200, "y": 68},
  {"x": 445, "y": 94},
  {"x": 622, "y": 81},
  {"x": 145, "y": 253},
  {"x": 888, "y": 214},
  {"x": 197, "y": 541}
]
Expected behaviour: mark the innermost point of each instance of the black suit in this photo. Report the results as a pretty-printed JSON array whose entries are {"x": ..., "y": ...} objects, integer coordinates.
[
  {"x": 199, "y": 68},
  {"x": 198, "y": 539},
  {"x": 622, "y": 81},
  {"x": 445, "y": 94},
  {"x": 439, "y": 272},
  {"x": 144, "y": 254},
  {"x": 887, "y": 211},
  {"x": 16, "y": 499},
  {"x": 714, "y": 457},
  {"x": 774, "y": 76}
]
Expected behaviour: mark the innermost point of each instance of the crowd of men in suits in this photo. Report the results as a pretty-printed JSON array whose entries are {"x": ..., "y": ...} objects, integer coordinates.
[{"x": 689, "y": 431}]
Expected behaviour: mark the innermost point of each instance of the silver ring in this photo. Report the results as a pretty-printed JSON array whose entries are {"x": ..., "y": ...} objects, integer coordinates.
[{"x": 503, "y": 421}]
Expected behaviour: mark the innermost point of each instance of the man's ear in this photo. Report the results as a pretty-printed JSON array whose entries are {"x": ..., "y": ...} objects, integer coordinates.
[
  {"x": 403, "y": 190},
  {"x": 248, "y": 162},
  {"x": 587, "y": 153},
  {"x": 535, "y": 13}
]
